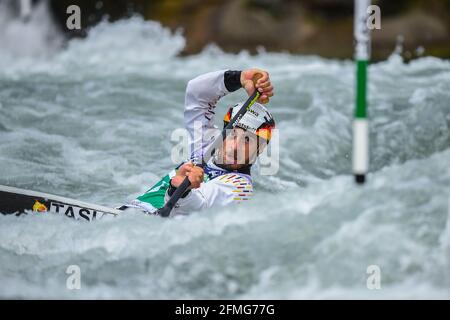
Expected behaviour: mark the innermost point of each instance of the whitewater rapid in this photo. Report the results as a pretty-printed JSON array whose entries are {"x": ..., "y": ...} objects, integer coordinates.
[{"x": 93, "y": 121}]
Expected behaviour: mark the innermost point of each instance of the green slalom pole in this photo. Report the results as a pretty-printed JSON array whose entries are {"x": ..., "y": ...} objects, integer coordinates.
[{"x": 360, "y": 155}]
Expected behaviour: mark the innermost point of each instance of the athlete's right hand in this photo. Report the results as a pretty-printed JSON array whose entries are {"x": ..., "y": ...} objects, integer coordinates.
[
  {"x": 263, "y": 84},
  {"x": 194, "y": 173}
]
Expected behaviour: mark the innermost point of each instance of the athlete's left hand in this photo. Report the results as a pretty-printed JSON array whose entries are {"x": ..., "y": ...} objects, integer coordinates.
[{"x": 263, "y": 84}]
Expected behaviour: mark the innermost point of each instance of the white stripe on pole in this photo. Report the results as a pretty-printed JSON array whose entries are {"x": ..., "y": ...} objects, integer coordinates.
[
  {"x": 361, "y": 32},
  {"x": 360, "y": 146}
]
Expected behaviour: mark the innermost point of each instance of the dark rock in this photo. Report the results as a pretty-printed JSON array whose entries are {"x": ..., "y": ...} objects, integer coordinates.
[{"x": 415, "y": 29}]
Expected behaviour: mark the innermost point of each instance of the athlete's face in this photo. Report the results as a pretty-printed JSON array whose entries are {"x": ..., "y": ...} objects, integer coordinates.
[{"x": 240, "y": 148}]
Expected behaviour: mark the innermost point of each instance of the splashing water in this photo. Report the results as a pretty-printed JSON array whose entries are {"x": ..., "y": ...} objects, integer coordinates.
[
  {"x": 93, "y": 122},
  {"x": 35, "y": 36}
]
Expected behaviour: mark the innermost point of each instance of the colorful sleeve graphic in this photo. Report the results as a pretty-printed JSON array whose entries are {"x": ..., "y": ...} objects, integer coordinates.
[{"x": 242, "y": 187}]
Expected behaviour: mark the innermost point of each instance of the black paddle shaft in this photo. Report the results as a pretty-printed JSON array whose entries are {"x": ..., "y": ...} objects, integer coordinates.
[{"x": 165, "y": 211}]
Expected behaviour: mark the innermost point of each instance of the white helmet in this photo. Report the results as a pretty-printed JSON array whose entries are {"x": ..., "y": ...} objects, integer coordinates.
[{"x": 257, "y": 120}]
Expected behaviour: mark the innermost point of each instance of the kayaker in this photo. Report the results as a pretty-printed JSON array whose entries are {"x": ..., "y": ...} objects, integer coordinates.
[{"x": 226, "y": 177}]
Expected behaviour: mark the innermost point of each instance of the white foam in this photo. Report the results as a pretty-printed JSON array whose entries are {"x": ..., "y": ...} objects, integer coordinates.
[{"x": 36, "y": 37}]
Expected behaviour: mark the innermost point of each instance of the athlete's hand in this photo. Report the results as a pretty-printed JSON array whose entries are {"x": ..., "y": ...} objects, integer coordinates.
[
  {"x": 194, "y": 173},
  {"x": 263, "y": 84}
]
